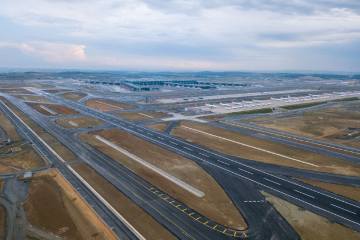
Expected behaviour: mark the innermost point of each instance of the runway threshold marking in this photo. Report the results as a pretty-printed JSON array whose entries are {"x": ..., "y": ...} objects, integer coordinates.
[
  {"x": 250, "y": 146},
  {"x": 305, "y": 194},
  {"x": 343, "y": 209}
]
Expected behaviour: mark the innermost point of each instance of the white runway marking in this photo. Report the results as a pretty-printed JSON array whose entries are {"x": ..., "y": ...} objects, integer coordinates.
[
  {"x": 305, "y": 194},
  {"x": 272, "y": 181},
  {"x": 249, "y": 146},
  {"x": 161, "y": 172},
  {"x": 342, "y": 209}
]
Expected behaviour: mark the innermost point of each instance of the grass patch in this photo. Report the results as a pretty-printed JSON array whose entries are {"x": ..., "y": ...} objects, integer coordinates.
[
  {"x": 347, "y": 99},
  {"x": 305, "y": 105},
  {"x": 262, "y": 110}
]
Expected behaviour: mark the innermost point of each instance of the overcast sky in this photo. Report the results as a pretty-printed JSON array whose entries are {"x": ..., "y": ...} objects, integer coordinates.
[{"x": 261, "y": 35}]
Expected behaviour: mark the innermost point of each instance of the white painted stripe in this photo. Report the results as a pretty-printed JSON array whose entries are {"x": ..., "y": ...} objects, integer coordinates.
[
  {"x": 225, "y": 163},
  {"x": 48, "y": 110},
  {"x": 111, "y": 105},
  {"x": 245, "y": 171},
  {"x": 343, "y": 209},
  {"x": 249, "y": 146},
  {"x": 203, "y": 154},
  {"x": 74, "y": 124},
  {"x": 145, "y": 115},
  {"x": 154, "y": 168},
  {"x": 305, "y": 194},
  {"x": 107, "y": 204},
  {"x": 187, "y": 148},
  {"x": 272, "y": 181}
]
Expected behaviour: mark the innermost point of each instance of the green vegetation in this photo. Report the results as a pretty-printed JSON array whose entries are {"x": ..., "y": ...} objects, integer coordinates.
[
  {"x": 347, "y": 99},
  {"x": 305, "y": 105},
  {"x": 262, "y": 110}
]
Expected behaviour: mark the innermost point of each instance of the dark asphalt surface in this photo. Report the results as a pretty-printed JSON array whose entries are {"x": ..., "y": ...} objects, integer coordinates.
[
  {"x": 337, "y": 209},
  {"x": 137, "y": 189}
]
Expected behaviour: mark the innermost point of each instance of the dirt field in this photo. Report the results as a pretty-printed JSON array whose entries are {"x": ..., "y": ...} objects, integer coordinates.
[
  {"x": 24, "y": 158},
  {"x": 340, "y": 123},
  {"x": 106, "y": 105},
  {"x": 55, "y": 109},
  {"x": 137, "y": 217},
  {"x": 159, "y": 126},
  {"x": 79, "y": 122},
  {"x": 56, "y": 90},
  {"x": 309, "y": 225},
  {"x": 65, "y": 153},
  {"x": 74, "y": 96},
  {"x": 54, "y": 206},
  {"x": 288, "y": 156},
  {"x": 215, "y": 204},
  {"x": 138, "y": 116},
  {"x": 346, "y": 191},
  {"x": 2, "y": 222},
  {"x": 8, "y": 127},
  {"x": 33, "y": 98}
]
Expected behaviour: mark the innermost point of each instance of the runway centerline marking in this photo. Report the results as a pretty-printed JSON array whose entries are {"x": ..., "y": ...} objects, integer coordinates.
[
  {"x": 272, "y": 181},
  {"x": 249, "y": 146},
  {"x": 245, "y": 171},
  {"x": 225, "y": 163},
  {"x": 305, "y": 194},
  {"x": 343, "y": 209}
]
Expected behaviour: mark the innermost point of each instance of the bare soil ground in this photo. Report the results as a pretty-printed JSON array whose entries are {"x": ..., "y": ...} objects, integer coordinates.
[
  {"x": 309, "y": 225},
  {"x": 54, "y": 206},
  {"x": 137, "y": 116},
  {"x": 33, "y": 98},
  {"x": 79, "y": 122},
  {"x": 2, "y": 222},
  {"x": 159, "y": 126},
  {"x": 215, "y": 204},
  {"x": 8, "y": 127},
  {"x": 340, "y": 123},
  {"x": 24, "y": 159},
  {"x": 74, "y": 96},
  {"x": 53, "y": 142},
  {"x": 58, "y": 109},
  {"x": 346, "y": 191},
  {"x": 324, "y": 163},
  {"x": 56, "y": 90},
  {"x": 106, "y": 105},
  {"x": 136, "y": 216}
]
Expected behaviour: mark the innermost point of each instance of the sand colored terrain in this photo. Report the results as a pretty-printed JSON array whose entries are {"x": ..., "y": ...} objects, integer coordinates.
[
  {"x": 344, "y": 190},
  {"x": 56, "y": 90},
  {"x": 2, "y": 222},
  {"x": 33, "y": 98},
  {"x": 215, "y": 204},
  {"x": 135, "y": 215},
  {"x": 24, "y": 158},
  {"x": 64, "y": 152},
  {"x": 159, "y": 126},
  {"x": 74, "y": 96},
  {"x": 55, "y": 207},
  {"x": 330, "y": 123},
  {"x": 79, "y": 122},
  {"x": 323, "y": 163},
  {"x": 309, "y": 225},
  {"x": 8, "y": 127},
  {"x": 107, "y": 105},
  {"x": 57, "y": 109},
  {"x": 138, "y": 116}
]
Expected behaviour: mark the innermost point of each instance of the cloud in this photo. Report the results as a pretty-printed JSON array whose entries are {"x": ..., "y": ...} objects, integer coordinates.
[
  {"x": 204, "y": 32},
  {"x": 51, "y": 52}
]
